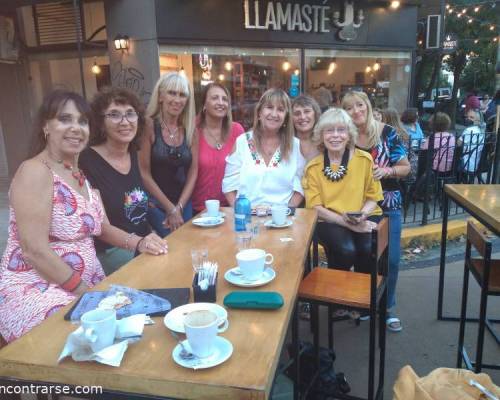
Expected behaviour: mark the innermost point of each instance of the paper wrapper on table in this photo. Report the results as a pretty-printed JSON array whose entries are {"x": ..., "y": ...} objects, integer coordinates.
[
  {"x": 441, "y": 384},
  {"x": 129, "y": 330}
]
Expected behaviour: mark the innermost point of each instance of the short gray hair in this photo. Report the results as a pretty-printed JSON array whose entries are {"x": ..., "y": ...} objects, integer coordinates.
[{"x": 332, "y": 117}]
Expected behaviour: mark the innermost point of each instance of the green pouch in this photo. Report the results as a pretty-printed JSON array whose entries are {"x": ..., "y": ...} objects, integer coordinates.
[{"x": 254, "y": 300}]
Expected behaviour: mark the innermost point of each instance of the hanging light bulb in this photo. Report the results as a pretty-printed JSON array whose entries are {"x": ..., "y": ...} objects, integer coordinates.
[
  {"x": 228, "y": 66},
  {"x": 495, "y": 39},
  {"x": 464, "y": 10},
  {"x": 476, "y": 9},
  {"x": 459, "y": 15},
  {"x": 182, "y": 72},
  {"x": 296, "y": 72},
  {"x": 492, "y": 27},
  {"x": 96, "y": 70},
  {"x": 332, "y": 67},
  {"x": 476, "y": 41},
  {"x": 469, "y": 21},
  {"x": 221, "y": 77},
  {"x": 376, "y": 66},
  {"x": 447, "y": 6},
  {"x": 286, "y": 66},
  {"x": 368, "y": 69},
  {"x": 450, "y": 11}
]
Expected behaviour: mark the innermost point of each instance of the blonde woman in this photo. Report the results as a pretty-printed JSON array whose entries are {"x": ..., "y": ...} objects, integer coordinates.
[
  {"x": 266, "y": 164},
  {"x": 168, "y": 155},
  {"x": 340, "y": 182},
  {"x": 390, "y": 164}
]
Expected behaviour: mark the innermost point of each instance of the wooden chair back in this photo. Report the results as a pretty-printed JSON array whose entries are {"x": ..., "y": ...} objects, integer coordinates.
[{"x": 477, "y": 238}]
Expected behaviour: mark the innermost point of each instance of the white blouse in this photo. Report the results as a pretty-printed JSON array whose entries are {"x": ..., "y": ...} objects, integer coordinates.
[{"x": 247, "y": 172}]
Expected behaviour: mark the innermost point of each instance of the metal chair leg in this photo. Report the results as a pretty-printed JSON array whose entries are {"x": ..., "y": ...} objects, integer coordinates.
[
  {"x": 463, "y": 316},
  {"x": 480, "y": 335}
]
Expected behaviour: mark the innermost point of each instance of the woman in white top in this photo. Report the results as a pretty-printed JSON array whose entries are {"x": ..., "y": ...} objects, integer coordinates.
[{"x": 266, "y": 164}]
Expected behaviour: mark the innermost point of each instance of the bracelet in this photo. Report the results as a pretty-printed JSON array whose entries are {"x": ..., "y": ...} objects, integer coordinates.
[
  {"x": 72, "y": 282},
  {"x": 173, "y": 211},
  {"x": 394, "y": 172},
  {"x": 127, "y": 240},
  {"x": 181, "y": 207},
  {"x": 139, "y": 243}
]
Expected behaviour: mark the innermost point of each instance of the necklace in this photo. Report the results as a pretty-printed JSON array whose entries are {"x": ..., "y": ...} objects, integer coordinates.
[
  {"x": 171, "y": 134},
  {"x": 76, "y": 174},
  {"x": 218, "y": 144},
  {"x": 338, "y": 175}
]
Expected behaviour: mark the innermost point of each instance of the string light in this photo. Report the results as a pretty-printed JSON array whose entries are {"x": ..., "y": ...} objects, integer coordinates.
[
  {"x": 447, "y": 6},
  {"x": 476, "y": 41},
  {"x": 286, "y": 66},
  {"x": 332, "y": 67},
  {"x": 476, "y": 9},
  {"x": 228, "y": 66},
  {"x": 469, "y": 21},
  {"x": 395, "y": 4},
  {"x": 368, "y": 69}
]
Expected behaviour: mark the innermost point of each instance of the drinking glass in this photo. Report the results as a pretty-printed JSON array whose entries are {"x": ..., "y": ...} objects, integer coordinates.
[
  {"x": 198, "y": 257},
  {"x": 244, "y": 239}
]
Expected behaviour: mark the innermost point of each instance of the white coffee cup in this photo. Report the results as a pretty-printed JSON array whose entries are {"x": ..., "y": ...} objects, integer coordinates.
[
  {"x": 201, "y": 328},
  {"x": 99, "y": 327},
  {"x": 279, "y": 213},
  {"x": 252, "y": 263},
  {"x": 212, "y": 207}
]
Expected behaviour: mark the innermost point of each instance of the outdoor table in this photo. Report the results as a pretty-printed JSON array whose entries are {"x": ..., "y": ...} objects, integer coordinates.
[
  {"x": 147, "y": 367},
  {"x": 483, "y": 203}
]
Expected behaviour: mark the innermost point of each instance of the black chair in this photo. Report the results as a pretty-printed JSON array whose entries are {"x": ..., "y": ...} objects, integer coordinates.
[
  {"x": 486, "y": 271},
  {"x": 354, "y": 291}
]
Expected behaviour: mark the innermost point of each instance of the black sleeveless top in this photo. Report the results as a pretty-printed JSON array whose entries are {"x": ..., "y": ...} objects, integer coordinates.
[
  {"x": 123, "y": 195},
  {"x": 169, "y": 165}
]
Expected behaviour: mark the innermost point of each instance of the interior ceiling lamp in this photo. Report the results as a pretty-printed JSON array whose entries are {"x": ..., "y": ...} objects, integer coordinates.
[
  {"x": 376, "y": 66},
  {"x": 95, "y": 68},
  {"x": 296, "y": 72},
  {"x": 332, "y": 67},
  {"x": 368, "y": 69},
  {"x": 121, "y": 42},
  {"x": 395, "y": 4},
  {"x": 182, "y": 72},
  {"x": 221, "y": 77},
  {"x": 286, "y": 66},
  {"x": 228, "y": 65}
]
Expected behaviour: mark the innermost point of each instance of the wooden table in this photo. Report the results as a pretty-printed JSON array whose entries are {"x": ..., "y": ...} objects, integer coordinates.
[
  {"x": 147, "y": 367},
  {"x": 480, "y": 201}
]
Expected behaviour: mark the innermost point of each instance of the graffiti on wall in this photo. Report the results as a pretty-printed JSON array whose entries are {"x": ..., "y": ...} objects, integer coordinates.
[{"x": 130, "y": 78}]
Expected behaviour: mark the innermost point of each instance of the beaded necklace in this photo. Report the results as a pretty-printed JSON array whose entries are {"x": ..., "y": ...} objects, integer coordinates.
[{"x": 338, "y": 175}]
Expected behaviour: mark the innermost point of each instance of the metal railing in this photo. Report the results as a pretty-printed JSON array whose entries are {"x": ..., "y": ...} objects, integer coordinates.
[{"x": 442, "y": 159}]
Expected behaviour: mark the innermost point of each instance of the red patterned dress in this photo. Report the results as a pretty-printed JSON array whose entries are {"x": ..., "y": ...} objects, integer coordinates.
[{"x": 26, "y": 298}]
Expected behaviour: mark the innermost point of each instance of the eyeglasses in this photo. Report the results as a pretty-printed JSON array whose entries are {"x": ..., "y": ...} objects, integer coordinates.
[{"x": 117, "y": 117}]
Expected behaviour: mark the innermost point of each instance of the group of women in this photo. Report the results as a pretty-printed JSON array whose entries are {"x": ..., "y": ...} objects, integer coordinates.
[{"x": 146, "y": 172}]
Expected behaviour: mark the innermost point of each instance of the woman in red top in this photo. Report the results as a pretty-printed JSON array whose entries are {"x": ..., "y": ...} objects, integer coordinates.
[{"x": 216, "y": 134}]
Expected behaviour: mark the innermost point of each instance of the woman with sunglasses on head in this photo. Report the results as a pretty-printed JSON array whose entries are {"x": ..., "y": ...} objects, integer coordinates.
[
  {"x": 111, "y": 166},
  {"x": 50, "y": 257},
  {"x": 216, "y": 135},
  {"x": 390, "y": 164},
  {"x": 305, "y": 114},
  {"x": 168, "y": 157},
  {"x": 266, "y": 164}
]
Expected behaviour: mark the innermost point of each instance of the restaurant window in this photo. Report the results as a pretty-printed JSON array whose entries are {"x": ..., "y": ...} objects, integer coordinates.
[
  {"x": 383, "y": 75},
  {"x": 245, "y": 72}
]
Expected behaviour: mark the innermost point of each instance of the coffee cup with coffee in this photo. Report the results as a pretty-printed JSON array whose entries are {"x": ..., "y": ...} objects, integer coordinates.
[
  {"x": 201, "y": 328},
  {"x": 279, "y": 213},
  {"x": 99, "y": 327},
  {"x": 252, "y": 263},
  {"x": 212, "y": 207}
]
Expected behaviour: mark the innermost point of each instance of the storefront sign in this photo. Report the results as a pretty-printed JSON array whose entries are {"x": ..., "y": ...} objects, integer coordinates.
[
  {"x": 278, "y": 16},
  {"x": 450, "y": 42}
]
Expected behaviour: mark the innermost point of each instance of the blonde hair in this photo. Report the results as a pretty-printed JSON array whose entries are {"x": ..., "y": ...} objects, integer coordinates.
[
  {"x": 275, "y": 96},
  {"x": 372, "y": 126},
  {"x": 176, "y": 82},
  {"x": 333, "y": 117},
  {"x": 390, "y": 116}
]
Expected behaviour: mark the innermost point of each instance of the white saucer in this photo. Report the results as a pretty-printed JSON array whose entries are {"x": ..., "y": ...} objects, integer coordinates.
[
  {"x": 174, "y": 320},
  {"x": 221, "y": 215},
  {"x": 223, "y": 350},
  {"x": 234, "y": 276},
  {"x": 208, "y": 222},
  {"x": 271, "y": 224}
]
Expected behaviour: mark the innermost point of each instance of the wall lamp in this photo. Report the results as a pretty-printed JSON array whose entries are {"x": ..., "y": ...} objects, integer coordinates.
[{"x": 121, "y": 42}]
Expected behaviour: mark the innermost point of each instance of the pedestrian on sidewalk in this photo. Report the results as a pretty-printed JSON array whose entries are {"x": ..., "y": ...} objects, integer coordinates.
[{"x": 391, "y": 164}]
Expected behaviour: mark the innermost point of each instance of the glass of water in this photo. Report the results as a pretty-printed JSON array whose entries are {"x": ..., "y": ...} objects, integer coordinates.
[
  {"x": 244, "y": 239},
  {"x": 198, "y": 257}
]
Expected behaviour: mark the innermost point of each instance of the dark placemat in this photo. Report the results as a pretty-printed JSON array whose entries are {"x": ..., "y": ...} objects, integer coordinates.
[{"x": 176, "y": 296}]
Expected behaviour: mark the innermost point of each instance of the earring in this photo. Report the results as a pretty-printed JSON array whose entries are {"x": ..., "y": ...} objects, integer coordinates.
[{"x": 46, "y": 133}]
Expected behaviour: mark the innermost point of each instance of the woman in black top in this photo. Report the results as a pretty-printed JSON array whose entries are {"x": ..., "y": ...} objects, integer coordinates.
[
  {"x": 168, "y": 155},
  {"x": 111, "y": 165}
]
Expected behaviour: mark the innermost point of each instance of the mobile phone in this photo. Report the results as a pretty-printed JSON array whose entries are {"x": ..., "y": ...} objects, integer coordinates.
[{"x": 354, "y": 214}]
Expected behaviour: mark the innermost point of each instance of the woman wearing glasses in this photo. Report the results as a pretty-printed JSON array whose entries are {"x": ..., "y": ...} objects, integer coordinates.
[
  {"x": 167, "y": 156},
  {"x": 216, "y": 134},
  {"x": 112, "y": 167},
  {"x": 54, "y": 214},
  {"x": 266, "y": 164}
]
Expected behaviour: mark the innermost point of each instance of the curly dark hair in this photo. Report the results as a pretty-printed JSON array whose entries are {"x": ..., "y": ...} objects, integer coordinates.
[
  {"x": 101, "y": 102},
  {"x": 440, "y": 122}
]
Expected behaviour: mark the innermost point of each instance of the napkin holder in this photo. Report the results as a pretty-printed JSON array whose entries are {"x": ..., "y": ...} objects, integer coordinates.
[{"x": 204, "y": 296}]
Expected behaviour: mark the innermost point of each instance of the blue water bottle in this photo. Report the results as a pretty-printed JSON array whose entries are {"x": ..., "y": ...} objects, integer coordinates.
[{"x": 242, "y": 212}]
